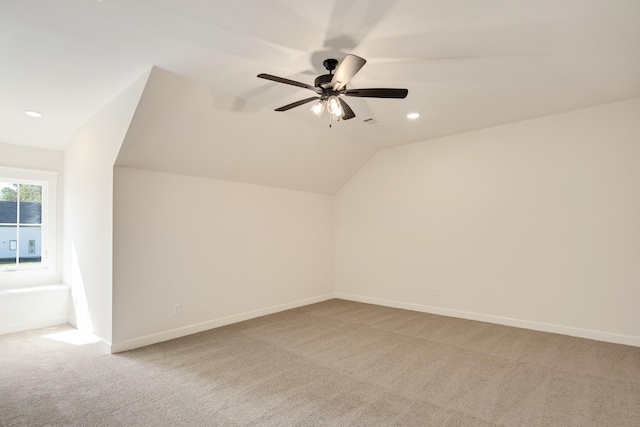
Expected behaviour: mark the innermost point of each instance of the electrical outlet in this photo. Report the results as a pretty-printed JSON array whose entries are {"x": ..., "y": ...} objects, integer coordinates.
[
  {"x": 322, "y": 283},
  {"x": 176, "y": 309},
  {"x": 435, "y": 291}
]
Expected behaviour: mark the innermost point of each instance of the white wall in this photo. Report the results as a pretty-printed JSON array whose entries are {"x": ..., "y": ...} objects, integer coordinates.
[
  {"x": 88, "y": 211},
  {"x": 533, "y": 224},
  {"x": 37, "y": 300},
  {"x": 19, "y": 156},
  {"x": 27, "y": 308},
  {"x": 224, "y": 251}
]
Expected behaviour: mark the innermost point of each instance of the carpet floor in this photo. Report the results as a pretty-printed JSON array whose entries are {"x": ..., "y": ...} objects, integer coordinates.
[{"x": 336, "y": 363}]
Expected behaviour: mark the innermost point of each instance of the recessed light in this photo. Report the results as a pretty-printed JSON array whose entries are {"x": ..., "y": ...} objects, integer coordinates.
[
  {"x": 413, "y": 115},
  {"x": 31, "y": 113}
]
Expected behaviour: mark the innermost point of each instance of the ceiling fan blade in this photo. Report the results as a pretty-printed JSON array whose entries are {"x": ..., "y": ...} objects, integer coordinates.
[
  {"x": 297, "y": 103},
  {"x": 346, "y": 70},
  {"x": 348, "y": 112},
  {"x": 378, "y": 93},
  {"x": 288, "y": 82}
]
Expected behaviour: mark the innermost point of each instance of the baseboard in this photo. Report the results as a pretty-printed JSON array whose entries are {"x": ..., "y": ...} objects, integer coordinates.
[
  {"x": 506, "y": 321},
  {"x": 211, "y": 324}
]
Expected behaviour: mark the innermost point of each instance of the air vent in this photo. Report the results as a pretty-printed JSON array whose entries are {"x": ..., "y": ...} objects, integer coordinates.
[{"x": 371, "y": 121}]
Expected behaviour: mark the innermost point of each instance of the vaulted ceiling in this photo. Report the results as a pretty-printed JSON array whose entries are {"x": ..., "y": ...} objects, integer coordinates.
[{"x": 467, "y": 65}]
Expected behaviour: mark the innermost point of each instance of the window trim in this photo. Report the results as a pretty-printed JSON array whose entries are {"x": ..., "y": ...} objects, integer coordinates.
[{"x": 48, "y": 268}]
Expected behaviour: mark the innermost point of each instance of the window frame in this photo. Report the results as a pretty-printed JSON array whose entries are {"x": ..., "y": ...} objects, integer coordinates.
[{"x": 48, "y": 267}]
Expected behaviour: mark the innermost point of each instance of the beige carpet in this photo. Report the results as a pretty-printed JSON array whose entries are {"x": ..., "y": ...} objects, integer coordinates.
[{"x": 336, "y": 363}]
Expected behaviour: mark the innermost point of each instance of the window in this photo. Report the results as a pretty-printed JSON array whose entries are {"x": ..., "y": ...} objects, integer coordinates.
[{"x": 27, "y": 209}]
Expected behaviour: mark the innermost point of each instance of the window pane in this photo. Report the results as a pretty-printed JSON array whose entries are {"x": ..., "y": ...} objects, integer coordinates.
[
  {"x": 31, "y": 193},
  {"x": 8, "y": 239},
  {"x": 8, "y": 203},
  {"x": 30, "y": 213},
  {"x": 30, "y": 204},
  {"x": 8, "y": 191},
  {"x": 30, "y": 239}
]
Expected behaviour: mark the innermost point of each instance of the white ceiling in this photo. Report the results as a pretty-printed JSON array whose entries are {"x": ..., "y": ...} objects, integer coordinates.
[{"x": 468, "y": 64}]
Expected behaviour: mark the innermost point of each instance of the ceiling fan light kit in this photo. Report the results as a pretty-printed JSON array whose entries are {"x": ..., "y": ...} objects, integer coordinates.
[
  {"x": 330, "y": 88},
  {"x": 332, "y": 105}
]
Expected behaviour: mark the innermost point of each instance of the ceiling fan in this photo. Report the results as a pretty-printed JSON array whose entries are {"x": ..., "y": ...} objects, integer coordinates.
[{"x": 330, "y": 88}]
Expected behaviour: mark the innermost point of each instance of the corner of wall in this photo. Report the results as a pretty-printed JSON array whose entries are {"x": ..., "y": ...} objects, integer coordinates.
[{"x": 88, "y": 208}]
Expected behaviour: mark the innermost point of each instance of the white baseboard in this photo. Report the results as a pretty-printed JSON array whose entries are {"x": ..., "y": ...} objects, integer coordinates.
[
  {"x": 211, "y": 324},
  {"x": 506, "y": 321}
]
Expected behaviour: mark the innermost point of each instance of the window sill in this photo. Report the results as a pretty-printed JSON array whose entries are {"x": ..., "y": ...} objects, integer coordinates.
[{"x": 28, "y": 279}]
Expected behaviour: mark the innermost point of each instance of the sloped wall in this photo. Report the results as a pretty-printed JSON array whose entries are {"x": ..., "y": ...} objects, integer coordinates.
[
  {"x": 189, "y": 128},
  {"x": 532, "y": 224}
]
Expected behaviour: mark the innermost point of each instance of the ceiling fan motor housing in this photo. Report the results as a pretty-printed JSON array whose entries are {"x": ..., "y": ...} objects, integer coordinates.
[{"x": 323, "y": 80}]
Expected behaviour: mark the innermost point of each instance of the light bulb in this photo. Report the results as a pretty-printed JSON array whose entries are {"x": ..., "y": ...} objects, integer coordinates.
[
  {"x": 318, "y": 108},
  {"x": 334, "y": 107}
]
